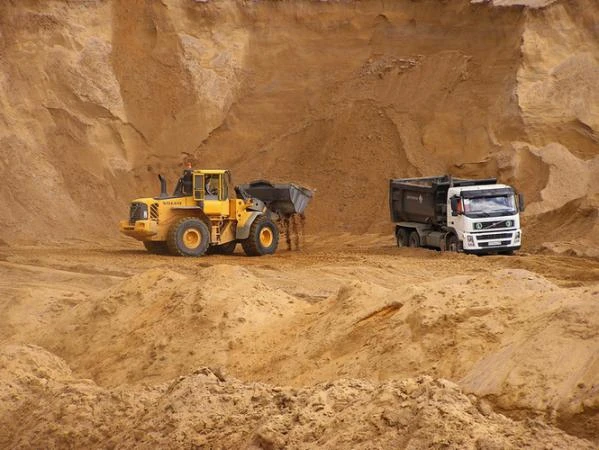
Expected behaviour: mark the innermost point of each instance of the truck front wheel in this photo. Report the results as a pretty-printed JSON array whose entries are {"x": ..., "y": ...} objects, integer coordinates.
[
  {"x": 263, "y": 238},
  {"x": 414, "y": 239},
  {"x": 453, "y": 244},
  {"x": 188, "y": 237}
]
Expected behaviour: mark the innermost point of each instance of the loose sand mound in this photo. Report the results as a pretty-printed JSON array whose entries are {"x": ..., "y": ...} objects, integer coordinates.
[
  {"x": 512, "y": 336},
  {"x": 572, "y": 229},
  {"x": 159, "y": 324},
  {"x": 205, "y": 409}
]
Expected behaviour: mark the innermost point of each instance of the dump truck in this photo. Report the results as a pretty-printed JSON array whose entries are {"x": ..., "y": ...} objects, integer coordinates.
[
  {"x": 207, "y": 214},
  {"x": 456, "y": 214}
]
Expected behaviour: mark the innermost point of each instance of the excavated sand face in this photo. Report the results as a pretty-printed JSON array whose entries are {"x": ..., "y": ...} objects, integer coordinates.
[{"x": 99, "y": 97}]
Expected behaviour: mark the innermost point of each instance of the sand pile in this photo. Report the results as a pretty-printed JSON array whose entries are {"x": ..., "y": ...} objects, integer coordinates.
[
  {"x": 160, "y": 323},
  {"x": 207, "y": 409},
  {"x": 526, "y": 344},
  {"x": 514, "y": 337}
]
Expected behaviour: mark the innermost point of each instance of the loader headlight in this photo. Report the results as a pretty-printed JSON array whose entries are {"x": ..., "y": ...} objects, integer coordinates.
[{"x": 145, "y": 214}]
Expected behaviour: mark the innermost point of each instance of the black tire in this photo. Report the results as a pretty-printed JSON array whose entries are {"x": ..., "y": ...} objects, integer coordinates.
[
  {"x": 414, "y": 239},
  {"x": 401, "y": 236},
  {"x": 188, "y": 237},
  {"x": 263, "y": 238},
  {"x": 224, "y": 249},
  {"x": 156, "y": 247},
  {"x": 453, "y": 244}
]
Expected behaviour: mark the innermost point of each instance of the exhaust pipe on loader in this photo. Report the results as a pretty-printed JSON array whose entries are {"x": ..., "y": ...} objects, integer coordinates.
[{"x": 163, "y": 192}]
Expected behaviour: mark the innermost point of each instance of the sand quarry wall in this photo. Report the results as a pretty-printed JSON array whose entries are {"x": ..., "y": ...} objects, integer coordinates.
[{"x": 98, "y": 97}]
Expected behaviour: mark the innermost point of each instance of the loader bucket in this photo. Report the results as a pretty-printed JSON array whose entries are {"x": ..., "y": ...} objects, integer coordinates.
[{"x": 283, "y": 199}]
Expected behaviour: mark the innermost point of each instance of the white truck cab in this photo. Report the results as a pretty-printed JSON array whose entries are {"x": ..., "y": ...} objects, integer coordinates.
[
  {"x": 464, "y": 215},
  {"x": 485, "y": 218}
]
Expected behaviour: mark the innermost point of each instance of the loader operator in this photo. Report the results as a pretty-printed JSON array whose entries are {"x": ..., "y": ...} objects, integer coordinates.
[{"x": 211, "y": 187}]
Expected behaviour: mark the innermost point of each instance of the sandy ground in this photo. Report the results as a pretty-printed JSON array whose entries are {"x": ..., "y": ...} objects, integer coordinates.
[{"x": 347, "y": 343}]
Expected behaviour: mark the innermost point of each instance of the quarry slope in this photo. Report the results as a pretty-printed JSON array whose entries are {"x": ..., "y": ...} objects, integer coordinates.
[{"x": 97, "y": 98}]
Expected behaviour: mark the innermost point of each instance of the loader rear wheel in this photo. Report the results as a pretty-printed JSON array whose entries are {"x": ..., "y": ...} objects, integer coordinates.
[
  {"x": 263, "y": 238},
  {"x": 188, "y": 237},
  {"x": 156, "y": 247},
  {"x": 402, "y": 237},
  {"x": 414, "y": 239}
]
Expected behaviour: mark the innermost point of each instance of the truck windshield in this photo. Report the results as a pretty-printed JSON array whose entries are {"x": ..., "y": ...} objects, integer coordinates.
[{"x": 501, "y": 205}]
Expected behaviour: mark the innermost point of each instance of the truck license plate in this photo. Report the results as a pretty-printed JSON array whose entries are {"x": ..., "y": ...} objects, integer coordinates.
[{"x": 494, "y": 243}]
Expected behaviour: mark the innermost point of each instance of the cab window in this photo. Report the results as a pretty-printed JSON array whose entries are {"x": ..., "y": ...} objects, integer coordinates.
[
  {"x": 198, "y": 187},
  {"x": 211, "y": 186}
]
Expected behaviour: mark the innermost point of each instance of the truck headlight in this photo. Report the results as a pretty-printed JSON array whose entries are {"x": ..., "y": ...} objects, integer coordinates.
[
  {"x": 517, "y": 237},
  {"x": 470, "y": 240}
]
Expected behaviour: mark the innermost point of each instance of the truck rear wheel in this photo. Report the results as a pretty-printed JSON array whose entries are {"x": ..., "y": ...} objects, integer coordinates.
[
  {"x": 156, "y": 247},
  {"x": 188, "y": 237},
  {"x": 414, "y": 239},
  {"x": 402, "y": 237},
  {"x": 263, "y": 238}
]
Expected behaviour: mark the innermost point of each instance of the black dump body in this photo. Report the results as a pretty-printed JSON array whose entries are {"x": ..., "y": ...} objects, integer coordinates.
[
  {"x": 284, "y": 199},
  {"x": 424, "y": 200}
]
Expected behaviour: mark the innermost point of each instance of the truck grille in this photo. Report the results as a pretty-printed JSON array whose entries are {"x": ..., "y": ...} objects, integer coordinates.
[
  {"x": 138, "y": 211},
  {"x": 491, "y": 225},
  {"x": 495, "y": 236}
]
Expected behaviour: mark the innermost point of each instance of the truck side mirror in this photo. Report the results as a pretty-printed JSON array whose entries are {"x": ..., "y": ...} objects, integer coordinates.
[
  {"x": 521, "y": 204},
  {"x": 454, "y": 206}
]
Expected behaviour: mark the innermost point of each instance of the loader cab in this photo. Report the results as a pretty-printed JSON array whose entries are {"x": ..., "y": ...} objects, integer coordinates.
[{"x": 211, "y": 191}]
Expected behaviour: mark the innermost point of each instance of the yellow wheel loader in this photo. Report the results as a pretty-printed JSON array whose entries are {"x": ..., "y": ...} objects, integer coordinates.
[{"x": 206, "y": 214}]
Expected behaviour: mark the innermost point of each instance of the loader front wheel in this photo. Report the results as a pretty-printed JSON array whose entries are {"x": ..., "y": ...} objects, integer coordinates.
[
  {"x": 188, "y": 237},
  {"x": 156, "y": 247},
  {"x": 263, "y": 238}
]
